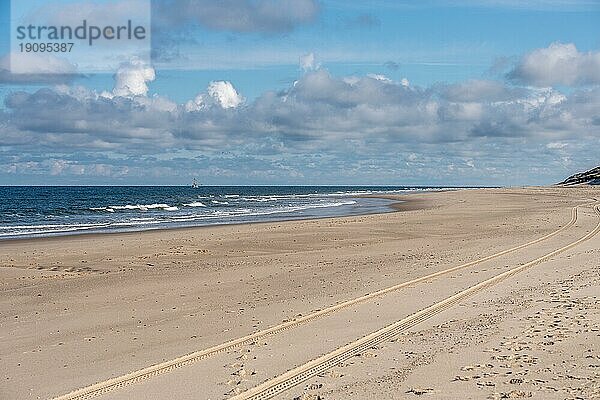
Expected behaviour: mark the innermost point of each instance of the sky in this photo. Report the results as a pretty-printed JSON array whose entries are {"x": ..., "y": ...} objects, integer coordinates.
[{"x": 309, "y": 92}]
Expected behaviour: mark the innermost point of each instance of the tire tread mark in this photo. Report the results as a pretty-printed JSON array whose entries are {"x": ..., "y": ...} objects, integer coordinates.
[
  {"x": 283, "y": 382},
  {"x": 111, "y": 384}
]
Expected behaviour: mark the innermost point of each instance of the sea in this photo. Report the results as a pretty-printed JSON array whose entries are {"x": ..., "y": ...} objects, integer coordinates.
[{"x": 36, "y": 211}]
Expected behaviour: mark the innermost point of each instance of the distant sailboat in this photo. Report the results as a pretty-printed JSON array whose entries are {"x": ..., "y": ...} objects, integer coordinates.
[{"x": 195, "y": 183}]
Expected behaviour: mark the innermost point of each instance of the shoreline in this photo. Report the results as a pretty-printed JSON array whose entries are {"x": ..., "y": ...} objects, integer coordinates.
[
  {"x": 406, "y": 203},
  {"x": 400, "y": 203}
]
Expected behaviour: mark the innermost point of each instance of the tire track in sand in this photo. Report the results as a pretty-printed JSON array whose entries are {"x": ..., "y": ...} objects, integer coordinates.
[
  {"x": 283, "y": 382},
  {"x": 131, "y": 378}
]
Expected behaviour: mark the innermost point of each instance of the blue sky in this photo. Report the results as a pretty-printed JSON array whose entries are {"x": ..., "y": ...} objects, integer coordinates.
[{"x": 391, "y": 92}]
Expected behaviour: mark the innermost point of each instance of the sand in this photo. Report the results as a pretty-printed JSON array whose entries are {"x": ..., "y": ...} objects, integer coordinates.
[{"x": 81, "y": 309}]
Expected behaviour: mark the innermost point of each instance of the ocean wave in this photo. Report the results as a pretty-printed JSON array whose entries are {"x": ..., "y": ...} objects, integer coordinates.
[
  {"x": 107, "y": 209},
  {"x": 25, "y": 230},
  {"x": 50, "y": 226},
  {"x": 262, "y": 198},
  {"x": 170, "y": 209},
  {"x": 132, "y": 207},
  {"x": 247, "y": 212},
  {"x": 195, "y": 204},
  {"x": 142, "y": 207}
]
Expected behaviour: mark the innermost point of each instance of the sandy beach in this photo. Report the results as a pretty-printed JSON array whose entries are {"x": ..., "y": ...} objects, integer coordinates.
[{"x": 79, "y": 310}]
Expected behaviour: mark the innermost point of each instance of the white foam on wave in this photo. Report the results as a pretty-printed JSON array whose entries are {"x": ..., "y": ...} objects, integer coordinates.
[
  {"x": 142, "y": 207},
  {"x": 131, "y": 207},
  {"x": 349, "y": 194},
  {"x": 195, "y": 204},
  {"x": 47, "y": 229},
  {"x": 263, "y": 198},
  {"x": 247, "y": 212},
  {"x": 107, "y": 209},
  {"x": 50, "y": 226},
  {"x": 24, "y": 230}
]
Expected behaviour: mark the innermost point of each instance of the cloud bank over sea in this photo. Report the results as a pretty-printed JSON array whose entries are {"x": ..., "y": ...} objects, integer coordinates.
[{"x": 352, "y": 107}]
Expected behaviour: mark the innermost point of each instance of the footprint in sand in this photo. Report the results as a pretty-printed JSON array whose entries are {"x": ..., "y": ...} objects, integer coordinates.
[
  {"x": 309, "y": 396},
  {"x": 514, "y": 394},
  {"x": 419, "y": 391},
  {"x": 461, "y": 378},
  {"x": 331, "y": 374},
  {"x": 367, "y": 354},
  {"x": 242, "y": 373},
  {"x": 234, "y": 391}
]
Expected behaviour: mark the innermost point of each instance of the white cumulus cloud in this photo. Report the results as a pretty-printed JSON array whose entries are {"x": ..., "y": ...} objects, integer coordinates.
[
  {"x": 558, "y": 64},
  {"x": 225, "y": 94},
  {"x": 131, "y": 79},
  {"x": 197, "y": 104}
]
